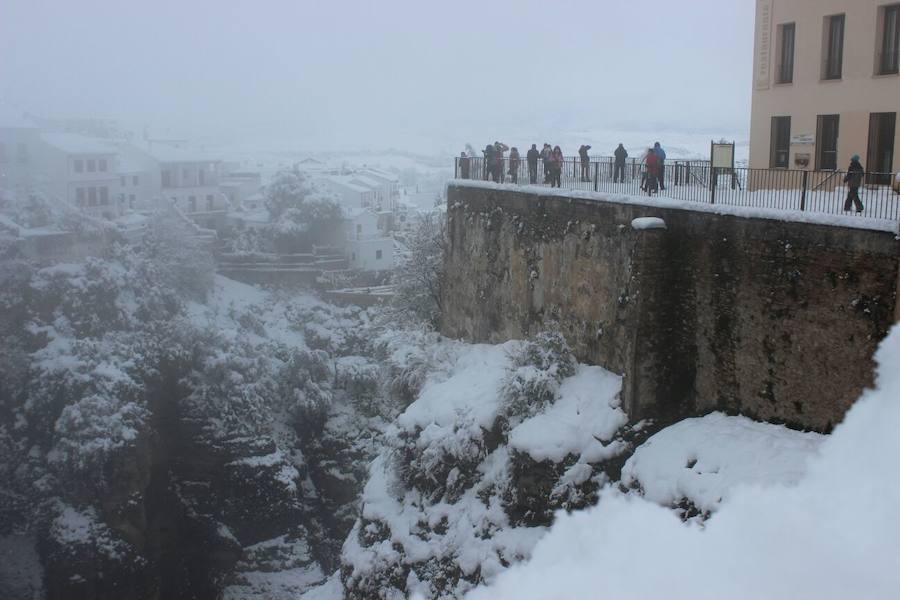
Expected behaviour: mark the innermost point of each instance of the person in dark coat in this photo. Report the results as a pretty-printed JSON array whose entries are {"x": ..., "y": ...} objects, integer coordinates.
[
  {"x": 556, "y": 166},
  {"x": 585, "y": 162},
  {"x": 488, "y": 167},
  {"x": 545, "y": 157},
  {"x": 661, "y": 166},
  {"x": 463, "y": 165},
  {"x": 532, "y": 157},
  {"x": 853, "y": 179},
  {"x": 514, "y": 164},
  {"x": 621, "y": 154},
  {"x": 499, "y": 149}
]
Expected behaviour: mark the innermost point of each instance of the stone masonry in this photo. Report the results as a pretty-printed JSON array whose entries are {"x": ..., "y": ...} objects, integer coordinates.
[{"x": 776, "y": 320}]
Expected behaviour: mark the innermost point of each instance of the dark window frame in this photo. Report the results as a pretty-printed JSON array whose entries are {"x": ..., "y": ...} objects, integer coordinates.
[
  {"x": 889, "y": 51},
  {"x": 786, "y": 50},
  {"x": 833, "y": 48},
  {"x": 780, "y": 142},
  {"x": 828, "y": 130}
]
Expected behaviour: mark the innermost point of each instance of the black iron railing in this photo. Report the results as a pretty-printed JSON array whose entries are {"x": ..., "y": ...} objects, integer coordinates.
[{"x": 698, "y": 181}]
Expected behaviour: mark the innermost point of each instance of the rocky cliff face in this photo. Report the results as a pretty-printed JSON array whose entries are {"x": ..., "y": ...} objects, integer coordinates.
[{"x": 163, "y": 437}]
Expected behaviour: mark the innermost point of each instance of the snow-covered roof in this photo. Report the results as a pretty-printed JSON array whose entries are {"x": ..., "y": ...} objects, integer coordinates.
[
  {"x": 345, "y": 183},
  {"x": 389, "y": 177},
  {"x": 72, "y": 143},
  {"x": 170, "y": 154},
  {"x": 366, "y": 181}
]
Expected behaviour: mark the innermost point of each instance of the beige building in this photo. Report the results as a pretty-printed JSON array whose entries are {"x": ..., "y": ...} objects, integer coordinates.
[{"x": 826, "y": 85}]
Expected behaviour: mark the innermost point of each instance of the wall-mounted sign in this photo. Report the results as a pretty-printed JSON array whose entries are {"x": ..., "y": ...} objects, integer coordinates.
[
  {"x": 803, "y": 139},
  {"x": 763, "y": 42}
]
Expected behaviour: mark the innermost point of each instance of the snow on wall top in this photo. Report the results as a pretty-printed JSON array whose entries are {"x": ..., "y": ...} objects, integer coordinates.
[{"x": 747, "y": 212}]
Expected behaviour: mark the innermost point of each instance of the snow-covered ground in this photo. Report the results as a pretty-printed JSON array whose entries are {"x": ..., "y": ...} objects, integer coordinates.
[{"x": 831, "y": 532}]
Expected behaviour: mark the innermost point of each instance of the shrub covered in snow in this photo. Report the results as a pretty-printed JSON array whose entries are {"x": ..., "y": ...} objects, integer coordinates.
[{"x": 537, "y": 369}]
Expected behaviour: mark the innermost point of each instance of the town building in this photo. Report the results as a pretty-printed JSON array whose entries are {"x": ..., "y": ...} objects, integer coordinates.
[
  {"x": 826, "y": 85},
  {"x": 80, "y": 171},
  {"x": 188, "y": 180},
  {"x": 19, "y": 142},
  {"x": 368, "y": 249}
]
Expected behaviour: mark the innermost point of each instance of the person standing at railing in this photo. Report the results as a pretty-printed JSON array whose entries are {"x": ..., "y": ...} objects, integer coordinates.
[
  {"x": 488, "y": 165},
  {"x": 463, "y": 166},
  {"x": 514, "y": 165},
  {"x": 853, "y": 179},
  {"x": 532, "y": 157},
  {"x": 545, "y": 157},
  {"x": 585, "y": 162},
  {"x": 661, "y": 167},
  {"x": 619, "y": 170},
  {"x": 499, "y": 149},
  {"x": 556, "y": 166},
  {"x": 652, "y": 172}
]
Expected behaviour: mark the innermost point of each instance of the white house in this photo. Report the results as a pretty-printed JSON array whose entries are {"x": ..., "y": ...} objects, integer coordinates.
[
  {"x": 367, "y": 249},
  {"x": 189, "y": 180},
  {"x": 350, "y": 196},
  {"x": 79, "y": 170},
  {"x": 241, "y": 188}
]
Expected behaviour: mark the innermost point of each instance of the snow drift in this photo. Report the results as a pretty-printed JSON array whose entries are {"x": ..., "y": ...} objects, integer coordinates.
[{"x": 834, "y": 534}]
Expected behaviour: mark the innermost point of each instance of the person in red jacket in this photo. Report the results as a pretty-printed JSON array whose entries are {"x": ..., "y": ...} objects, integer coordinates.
[
  {"x": 556, "y": 166},
  {"x": 652, "y": 163}
]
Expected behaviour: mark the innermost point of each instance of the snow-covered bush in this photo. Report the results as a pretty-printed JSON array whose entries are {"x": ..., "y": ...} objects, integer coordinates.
[
  {"x": 536, "y": 372},
  {"x": 180, "y": 259}
]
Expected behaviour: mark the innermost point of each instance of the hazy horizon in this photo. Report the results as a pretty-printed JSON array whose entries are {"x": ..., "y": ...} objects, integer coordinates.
[{"x": 400, "y": 74}]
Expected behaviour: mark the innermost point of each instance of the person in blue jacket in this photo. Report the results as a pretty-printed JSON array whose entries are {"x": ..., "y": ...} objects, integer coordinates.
[{"x": 661, "y": 169}]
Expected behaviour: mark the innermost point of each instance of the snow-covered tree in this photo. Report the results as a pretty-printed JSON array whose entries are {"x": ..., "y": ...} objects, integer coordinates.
[{"x": 420, "y": 276}]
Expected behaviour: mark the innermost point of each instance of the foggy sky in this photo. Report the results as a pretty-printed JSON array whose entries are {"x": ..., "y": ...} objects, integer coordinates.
[{"x": 356, "y": 73}]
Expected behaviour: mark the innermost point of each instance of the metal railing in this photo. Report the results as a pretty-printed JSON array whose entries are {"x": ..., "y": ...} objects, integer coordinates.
[{"x": 697, "y": 181}]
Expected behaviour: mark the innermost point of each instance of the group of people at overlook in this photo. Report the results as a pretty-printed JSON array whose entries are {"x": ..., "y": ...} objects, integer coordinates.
[{"x": 496, "y": 166}]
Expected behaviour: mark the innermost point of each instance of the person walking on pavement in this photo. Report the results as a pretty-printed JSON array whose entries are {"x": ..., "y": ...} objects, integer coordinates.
[
  {"x": 853, "y": 179},
  {"x": 661, "y": 167},
  {"x": 532, "y": 157},
  {"x": 619, "y": 171},
  {"x": 514, "y": 165},
  {"x": 585, "y": 162},
  {"x": 556, "y": 165}
]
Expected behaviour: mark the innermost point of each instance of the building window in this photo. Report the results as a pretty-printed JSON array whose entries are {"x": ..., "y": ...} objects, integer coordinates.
[
  {"x": 353, "y": 256},
  {"x": 123, "y": 180},
  {"x": 826, "y": 142},
  {"x": 378, "y": 255},
  {"x": 91, "y": 165},
  {"x": 79, "y": 196},
  {"x": 786, "y": 53},
  {"x": 134, "y": 180},
  {"x": 192, "y": 200},
  {"x": 104, "y": 196},
  {"x": 780, "y": 142},
  {"x": 209, "y": 202},
  {"x": 889, "y": 55},
  {"x": 101, "y": 165},
  {"x": 92, "y": 196},
  {"x": 833, "y": 54},
  {"x": 880, "y": 159},
  {"x": 166, "y": 178}
]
